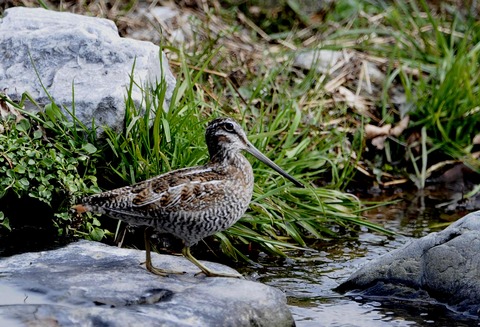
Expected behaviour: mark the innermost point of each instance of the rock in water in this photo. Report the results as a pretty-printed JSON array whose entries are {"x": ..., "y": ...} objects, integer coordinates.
[
  {"x": 443, "y": 266},
  {"x": 73, "y": 51},
  {"x": 92, "y": 284}
]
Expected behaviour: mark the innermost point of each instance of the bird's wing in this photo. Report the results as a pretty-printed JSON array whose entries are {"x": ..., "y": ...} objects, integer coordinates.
[{"x": 186, "y": 187}]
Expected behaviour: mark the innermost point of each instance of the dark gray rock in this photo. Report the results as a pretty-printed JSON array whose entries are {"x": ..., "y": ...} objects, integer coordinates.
[
  {"x": 443, "y": 266},
  {"x": 73, "y": 50},
  {"x": 92, "y": 284}
]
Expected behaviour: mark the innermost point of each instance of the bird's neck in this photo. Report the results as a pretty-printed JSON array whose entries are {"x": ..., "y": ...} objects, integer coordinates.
[
  {"x": 228, "y": 158},
  {"x": 231, "y": 159},
  {"x": 235, "y": 165}
]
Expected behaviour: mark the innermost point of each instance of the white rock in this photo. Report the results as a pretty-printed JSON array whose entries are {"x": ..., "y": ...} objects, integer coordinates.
[
  {"x": 321, "y": 60},
  {"x": 85, "y": 53},
  {"x": 164, "y": 13},
  {"x": 92, "y": 284}
]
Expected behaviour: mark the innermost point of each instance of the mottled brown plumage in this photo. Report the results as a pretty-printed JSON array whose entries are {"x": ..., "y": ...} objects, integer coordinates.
[{"x": 191, "y": 203}]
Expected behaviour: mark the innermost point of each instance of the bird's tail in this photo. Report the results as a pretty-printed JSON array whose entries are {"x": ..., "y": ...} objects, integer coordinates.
[{"x": 80, "y": 208}]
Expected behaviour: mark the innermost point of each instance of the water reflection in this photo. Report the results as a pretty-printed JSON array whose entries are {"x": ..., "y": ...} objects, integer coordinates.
[
  {"x": 309, "y": 281},
  {"x": 344, "y": 312}
]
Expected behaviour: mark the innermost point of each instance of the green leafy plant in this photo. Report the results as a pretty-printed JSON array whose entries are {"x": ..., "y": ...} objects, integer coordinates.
[{"x": 46, "y": 157}]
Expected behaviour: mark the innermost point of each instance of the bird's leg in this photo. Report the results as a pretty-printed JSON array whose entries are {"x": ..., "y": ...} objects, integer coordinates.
[
  {"x": 210, "y": 273},
  {"x": 148, "y": 259}
]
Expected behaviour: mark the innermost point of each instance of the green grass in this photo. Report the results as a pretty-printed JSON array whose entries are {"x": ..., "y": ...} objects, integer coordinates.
[
  {"x": 432, "y": 57},
  {"x": 281, "y": 217}
]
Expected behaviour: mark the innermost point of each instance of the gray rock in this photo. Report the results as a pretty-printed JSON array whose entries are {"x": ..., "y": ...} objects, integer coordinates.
[
  {"x": 442, "y": 266},
  {"x": 73, "y": 50},
  {"x": 92, "y": 284}
]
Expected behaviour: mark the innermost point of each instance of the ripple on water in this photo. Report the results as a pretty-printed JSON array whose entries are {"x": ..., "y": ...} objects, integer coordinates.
[{"x": 309, "y": 281}]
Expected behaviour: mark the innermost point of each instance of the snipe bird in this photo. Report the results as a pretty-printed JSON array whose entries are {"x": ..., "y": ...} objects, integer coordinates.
[{"x": 191, "y": 203}]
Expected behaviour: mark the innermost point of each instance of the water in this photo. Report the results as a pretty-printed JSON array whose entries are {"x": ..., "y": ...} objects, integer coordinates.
[{"x": 309, "y": 282}]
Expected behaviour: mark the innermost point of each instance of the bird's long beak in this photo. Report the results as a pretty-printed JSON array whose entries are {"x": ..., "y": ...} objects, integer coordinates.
[{"x": 260, "y": 156}]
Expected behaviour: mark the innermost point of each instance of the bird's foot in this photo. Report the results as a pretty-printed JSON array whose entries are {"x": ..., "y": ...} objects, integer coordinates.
[
  {"x": 161, "y": 272},
  {"x": 211, "y": 273}
]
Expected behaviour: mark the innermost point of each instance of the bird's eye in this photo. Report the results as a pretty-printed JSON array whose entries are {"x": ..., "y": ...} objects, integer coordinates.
[{"x": 228, "y": 127}]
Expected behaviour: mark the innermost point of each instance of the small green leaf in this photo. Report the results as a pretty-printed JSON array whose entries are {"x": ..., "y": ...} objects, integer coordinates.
[
  {"x": 89, "y": 148},
  {"x": 53, "y": 112},
  {"x": 97, "y": 234},
  {"x": 4, "y": 221},
  {"x": 24, "y": 182},
  {"x": 49, "y": 124},
  {"x": 23, "y": 125},
  {"x": 20, "y": 168},
  {"x": 37, "y": 134}
]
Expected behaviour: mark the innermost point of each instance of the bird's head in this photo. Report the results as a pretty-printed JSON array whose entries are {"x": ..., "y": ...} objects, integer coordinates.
[{"x": 225, "y": 138}]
